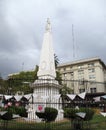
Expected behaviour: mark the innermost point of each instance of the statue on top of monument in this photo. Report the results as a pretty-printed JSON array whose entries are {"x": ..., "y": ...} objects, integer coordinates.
[{"x": 48, "y": 25}]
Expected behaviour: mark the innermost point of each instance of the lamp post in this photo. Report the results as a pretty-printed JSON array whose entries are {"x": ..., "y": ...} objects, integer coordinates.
[
  {"x": 9, "y": 91},
  {"x": 86, "y": 85},
  {"x": 28, "y": 83}
]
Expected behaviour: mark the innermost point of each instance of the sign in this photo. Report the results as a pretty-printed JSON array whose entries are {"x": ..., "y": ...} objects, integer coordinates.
[{"x": 40, "y": 108}]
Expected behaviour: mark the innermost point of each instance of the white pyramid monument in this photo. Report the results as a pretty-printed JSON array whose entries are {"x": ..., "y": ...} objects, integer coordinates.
[
  {"x": 47, "y": 66},
  {"x": 46, "y": 88}
]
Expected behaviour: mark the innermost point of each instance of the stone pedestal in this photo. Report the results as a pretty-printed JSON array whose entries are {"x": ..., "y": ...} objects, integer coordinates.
[{"x": 46, "y": 94}]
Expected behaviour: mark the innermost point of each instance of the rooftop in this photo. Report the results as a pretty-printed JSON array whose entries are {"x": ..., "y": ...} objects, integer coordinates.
[{"x": 82, "y": 61}]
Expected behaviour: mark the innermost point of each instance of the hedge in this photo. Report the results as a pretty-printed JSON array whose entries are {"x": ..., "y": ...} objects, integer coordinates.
[
  {"x": 49, "y": 114},
  {"x": 71, "y": 113}
]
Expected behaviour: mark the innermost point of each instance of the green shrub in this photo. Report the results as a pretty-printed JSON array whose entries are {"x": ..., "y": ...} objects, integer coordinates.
[
  {"x": 21, "y": 111},
  {"x": 16, "y": 110},
  {"x": 7, "y": 116},
  {"x": 40, "y": 115},
  {"x": 49, "y": 114},
  {"x": 71, "y": 113},
  {"x": 89, "y": 113}
]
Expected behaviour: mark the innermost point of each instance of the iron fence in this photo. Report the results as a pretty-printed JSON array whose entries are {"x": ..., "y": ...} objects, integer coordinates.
[{"x": 48, "y": 89}]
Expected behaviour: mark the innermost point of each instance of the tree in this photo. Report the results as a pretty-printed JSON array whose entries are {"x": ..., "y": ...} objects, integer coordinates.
[
  {"x": 3, "y": 86},
  {"x": 56, "y": 60},
  {"x": 21, "y": 81},
  {"x": 63, "y": 91},
  {"x": 58, "y": 75}
]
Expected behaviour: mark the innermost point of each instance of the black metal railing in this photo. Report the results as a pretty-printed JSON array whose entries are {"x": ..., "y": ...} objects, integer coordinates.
[{"x": 67, "y": 87}]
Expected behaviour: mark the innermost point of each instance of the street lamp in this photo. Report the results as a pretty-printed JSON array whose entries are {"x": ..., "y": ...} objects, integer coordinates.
[
  {"x": 86, "y": 85},
  {"x": 9, "y": 91}
]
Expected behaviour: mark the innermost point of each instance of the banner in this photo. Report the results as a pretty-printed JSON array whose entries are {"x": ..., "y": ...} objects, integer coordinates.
[{"x": 40, "y": 108}]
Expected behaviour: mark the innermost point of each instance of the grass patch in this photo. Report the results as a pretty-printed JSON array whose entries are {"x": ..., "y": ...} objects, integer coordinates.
[{"x": 97, "y": 123}]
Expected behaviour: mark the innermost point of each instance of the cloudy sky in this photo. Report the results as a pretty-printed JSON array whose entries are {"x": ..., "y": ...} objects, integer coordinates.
[{"x": 22, "y": 26}]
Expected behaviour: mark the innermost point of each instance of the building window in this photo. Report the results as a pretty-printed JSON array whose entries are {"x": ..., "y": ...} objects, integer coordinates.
[
  {"x": 65, "y": 76},
  {"x": 64, "y": 69},
  {"x": 80, "y": 72},
  {"x": 81, "y": 90},
  {"x": 91, "y": 70},
  {"x": 91, "y": 65},
  {"x": 80, "y": 66},
  {"x": 92, "y": 77},
  {"x": 93, "y": 90},
  {"x": 71, "y": 67},
  {"x": 81, "y": 75},
  {"x": 72, "y": 74},
  {"x": 81, "y": 82}
]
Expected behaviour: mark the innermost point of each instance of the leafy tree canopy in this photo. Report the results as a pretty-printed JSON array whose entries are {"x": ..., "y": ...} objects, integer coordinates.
[{"x": 21, "y": 81}]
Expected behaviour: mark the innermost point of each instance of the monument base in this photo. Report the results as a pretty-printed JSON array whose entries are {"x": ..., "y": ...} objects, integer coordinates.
[
  {"x": 33, "y": 117},
  {"x": 45, "y": 94}
]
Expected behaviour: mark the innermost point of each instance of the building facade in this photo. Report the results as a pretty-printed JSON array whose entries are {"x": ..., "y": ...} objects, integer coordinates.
[{"x": 87, "y": 75}]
